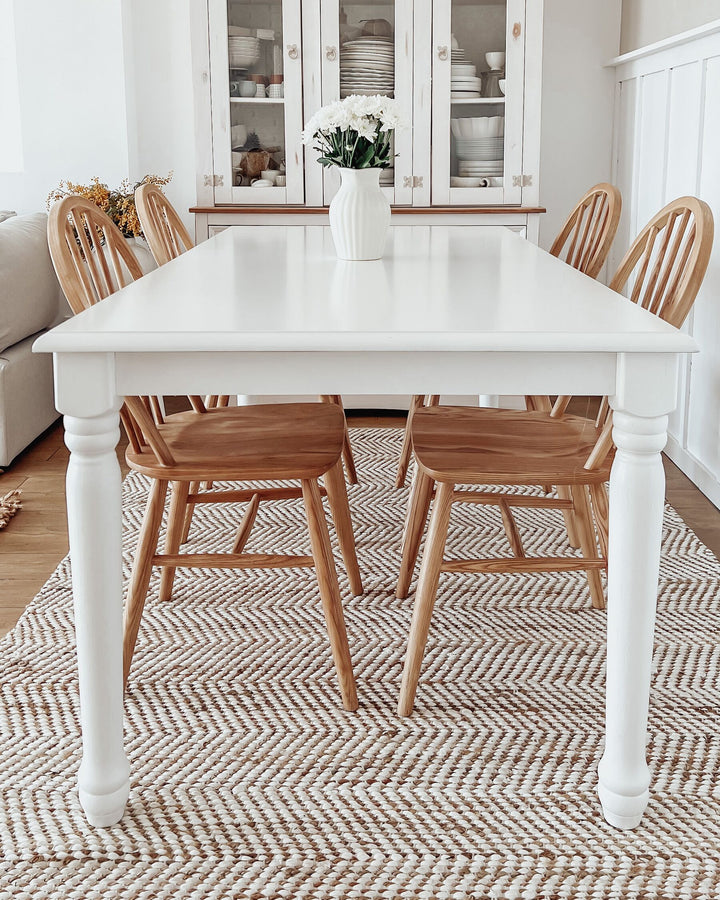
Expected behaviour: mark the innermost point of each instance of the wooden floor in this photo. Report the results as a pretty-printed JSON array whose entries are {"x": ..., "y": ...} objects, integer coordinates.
[{"x": 35, "y": 541}]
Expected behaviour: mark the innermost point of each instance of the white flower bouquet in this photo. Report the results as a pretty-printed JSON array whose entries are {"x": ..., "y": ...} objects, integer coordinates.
[{"x": 354, "y": 133}]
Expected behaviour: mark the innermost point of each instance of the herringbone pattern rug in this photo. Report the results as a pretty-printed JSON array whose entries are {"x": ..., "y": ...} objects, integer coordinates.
[{"x": 249, "y": 780}]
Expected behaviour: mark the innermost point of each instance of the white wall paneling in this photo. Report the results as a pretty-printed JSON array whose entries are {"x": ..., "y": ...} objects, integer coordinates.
[{"x": 667, "y": 133}]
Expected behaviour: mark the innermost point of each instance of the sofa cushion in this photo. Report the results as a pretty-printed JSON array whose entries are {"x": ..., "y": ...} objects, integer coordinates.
[{"x": 28, "y": 286}]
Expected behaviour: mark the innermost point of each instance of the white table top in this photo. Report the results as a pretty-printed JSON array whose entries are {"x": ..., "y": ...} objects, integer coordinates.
[{"x": 439, "y": 287}]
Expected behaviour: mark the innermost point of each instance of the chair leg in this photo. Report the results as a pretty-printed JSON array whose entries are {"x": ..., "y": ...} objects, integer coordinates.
[
  {"x": 176, "y": 521},
  {"x": 329, "y": 592},
  {"x": 420, "y": 496},
  {"x": 142, "y": 569},
  {"x": 601, "y": 511},
  {"x": 189, "y": 509},
  {"x": 426, "y": 594},
  {"x": 406, "y": 451},
  {"x": 347, "y": 454},
  {"x": 588, "y": 543},
  {"x": 334, "y": 481},
  {"x": 569, "y": 515}
]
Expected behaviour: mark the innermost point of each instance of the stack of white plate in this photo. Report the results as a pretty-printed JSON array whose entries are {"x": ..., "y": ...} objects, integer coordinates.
[
  {"x": 464, "y": 83},
  {"x": 367, "y": 66},
  {"x": 474, "y": 149},
  {"x": 243, "y": 51},
  {"x": 387, "y": 177},
  {"x": 468, "y": 169}
]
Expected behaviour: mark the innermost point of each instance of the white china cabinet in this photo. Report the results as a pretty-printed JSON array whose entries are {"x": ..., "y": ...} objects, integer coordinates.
[{"x": 466, "y": 74}]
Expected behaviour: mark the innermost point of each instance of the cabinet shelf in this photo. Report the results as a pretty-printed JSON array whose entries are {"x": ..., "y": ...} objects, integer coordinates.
[
  {"x": 253, "y": 100},
  {"x": 479, "y": 101}
]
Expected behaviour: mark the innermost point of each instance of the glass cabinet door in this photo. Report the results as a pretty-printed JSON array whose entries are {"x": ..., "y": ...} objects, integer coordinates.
[
  {"x": 367, "y": 48},
  {"x": 478, "y": 89},
  {"x": 257, "y": 101}
]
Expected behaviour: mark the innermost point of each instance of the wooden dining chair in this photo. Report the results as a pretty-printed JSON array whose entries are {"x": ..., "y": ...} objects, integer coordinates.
[
  {"x": 168, "y": 238},
  {"x": 662, "y": 272},
  {"x": 298, "y": 442},
  {"x": 584, "y": 243}
]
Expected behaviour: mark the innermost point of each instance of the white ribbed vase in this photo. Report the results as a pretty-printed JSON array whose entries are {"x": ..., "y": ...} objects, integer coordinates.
[{"x": 359, "y": 215}]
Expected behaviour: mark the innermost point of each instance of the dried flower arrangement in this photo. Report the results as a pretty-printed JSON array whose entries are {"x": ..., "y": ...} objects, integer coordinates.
[{"x": 118, "y": 203}]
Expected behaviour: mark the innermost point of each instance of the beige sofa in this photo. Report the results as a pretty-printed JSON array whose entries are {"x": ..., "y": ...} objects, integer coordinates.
[{"x": 30, "y": 302}]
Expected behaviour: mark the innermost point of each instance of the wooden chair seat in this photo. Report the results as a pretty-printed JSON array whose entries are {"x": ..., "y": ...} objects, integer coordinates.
[
  {"x": 584, "y": 243},
  {"x": 247, "y": 443},
  {"x": 469, "y": 445}
]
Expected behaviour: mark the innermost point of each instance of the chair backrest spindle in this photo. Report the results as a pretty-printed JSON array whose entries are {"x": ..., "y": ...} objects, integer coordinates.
[
  {"x": 163, "y": 229},
  {"x": 587, "y": 235},
  {"x": 92, "y": 261}
]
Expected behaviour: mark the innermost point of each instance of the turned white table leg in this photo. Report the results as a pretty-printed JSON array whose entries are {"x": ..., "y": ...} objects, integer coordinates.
[
  {"x": 637, "y": 483},
  {"x": 94, "y": 524}
]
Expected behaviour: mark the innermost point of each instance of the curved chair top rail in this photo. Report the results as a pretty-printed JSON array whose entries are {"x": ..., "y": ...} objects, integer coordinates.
[
  {"x": 587, "y": 235},
  {"x": 670, "y": 257},
  {"x": 92, "y": 259},
  {"x": 162, "y": 226}
]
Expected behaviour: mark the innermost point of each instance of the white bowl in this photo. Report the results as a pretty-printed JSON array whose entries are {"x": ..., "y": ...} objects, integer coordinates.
[
  {"x": 262, "y": 183},
  {"x": 496, "y": 59},
  {"x": 478, "y": 127},
  {"x": 501, "y": 84},
  {"x": 243, "y": 60}
]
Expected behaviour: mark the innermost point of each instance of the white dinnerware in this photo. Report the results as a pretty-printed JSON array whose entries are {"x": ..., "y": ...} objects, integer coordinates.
[
  {"x": 243, "y": 51},
  {"x": 478, "y": 127},
  {"x": 496, "y": 60},
  {"x": 367, "y": 66}
]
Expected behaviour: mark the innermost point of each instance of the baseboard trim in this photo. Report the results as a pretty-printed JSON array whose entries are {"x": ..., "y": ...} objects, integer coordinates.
[{"x": 701, "y": 477}]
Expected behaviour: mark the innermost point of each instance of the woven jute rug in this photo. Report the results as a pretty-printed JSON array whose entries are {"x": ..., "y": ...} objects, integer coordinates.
[{"x": 249, "y": 780}]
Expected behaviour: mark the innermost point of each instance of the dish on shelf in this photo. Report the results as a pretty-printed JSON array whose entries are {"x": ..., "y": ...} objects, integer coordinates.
[
  {"x": 462, "y": 70},
  {"x": 477, "y": 167},
  {"x": 479, "y": 172},
  {"x": 464, "y": 181},
  {"x": 501, "y": 85},
  {"x": 243, "y": 51},
  {"x": 387, "y": 177},
  {"x": 367, "y": 66},
  {"x": 496, "y": 60},
  {"x": 478, "y": 127},
  {"x": 464, "y": 95},
  {"x": 491, "y": 151}
]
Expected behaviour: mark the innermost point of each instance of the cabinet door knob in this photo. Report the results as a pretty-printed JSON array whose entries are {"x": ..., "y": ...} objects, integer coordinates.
[
  {"x": 442, "y": 53},
  {"x": 331, "y": 53},
  {"x": 292, "y": 51}
]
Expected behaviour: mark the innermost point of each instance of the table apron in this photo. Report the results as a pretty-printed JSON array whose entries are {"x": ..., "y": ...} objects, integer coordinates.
[{"x": 378, "y": 372}]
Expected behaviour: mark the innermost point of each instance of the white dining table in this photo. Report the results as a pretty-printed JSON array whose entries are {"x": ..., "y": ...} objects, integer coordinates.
[{"x": 448, "y": 310}]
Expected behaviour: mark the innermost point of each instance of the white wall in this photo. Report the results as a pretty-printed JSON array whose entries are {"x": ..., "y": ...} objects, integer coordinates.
[
  {"x": 668, "y": 131},
  {"x": 647, "y": 21},
  {"x": 105, "y": 89},
  {"x": 580, "y": 36},
  {"x": 158, "y": 67},
  {"x": 72, "y": 97}
]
